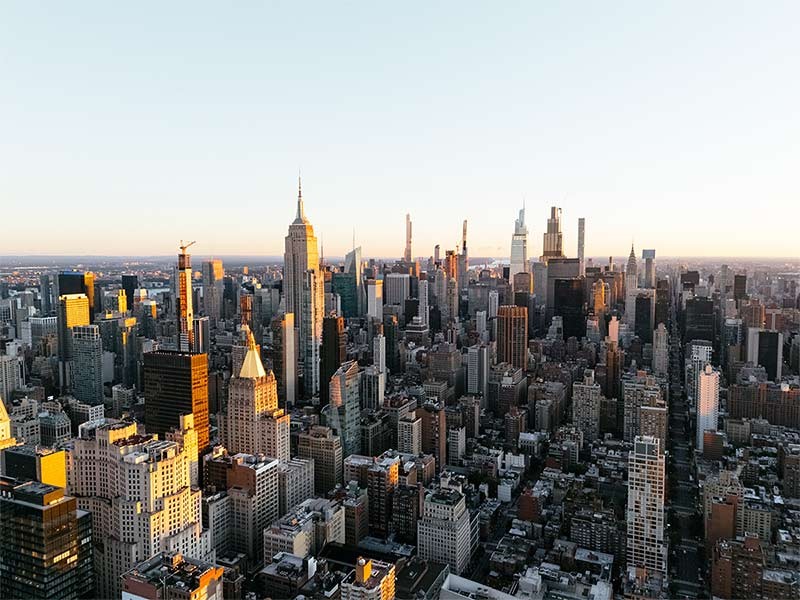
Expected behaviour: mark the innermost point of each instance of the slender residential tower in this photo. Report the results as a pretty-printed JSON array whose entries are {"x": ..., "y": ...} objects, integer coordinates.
[
  {"x": 183, "y": 300},
  {"x": 519, "y": 247},
  {"x": 304, "y": 292},
  {"x": 581, "y": 246},
  {"x": 407, "y": 254}
]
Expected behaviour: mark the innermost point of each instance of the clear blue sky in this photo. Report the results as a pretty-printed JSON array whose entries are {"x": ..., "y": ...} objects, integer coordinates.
[{"x": 125, "y": 126}]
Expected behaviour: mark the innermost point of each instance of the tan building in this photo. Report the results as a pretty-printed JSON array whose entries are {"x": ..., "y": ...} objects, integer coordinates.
[
  {"x": 325, "y": 448},
  {"x": 138, "y": 489}
]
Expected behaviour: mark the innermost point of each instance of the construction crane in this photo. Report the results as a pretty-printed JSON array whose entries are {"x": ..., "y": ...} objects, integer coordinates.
[{"x": 183, "y": 246}]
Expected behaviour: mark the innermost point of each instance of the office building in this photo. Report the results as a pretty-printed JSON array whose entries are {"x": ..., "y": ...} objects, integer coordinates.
[
  {"x": 144, "y": 502},
  {"x": 304, "y": 530},
  {"x": 184, "y": 307},
  {"x": 344, "y": 410},
  {"x": 646, "y": 549},
  {"x": 568, "y": 303},
  {"x": 46, "y": 546},
  {"x": 213, "y": 289},
  {"x": 519, "y": 247},
  {"x": 295, "y": 483},
  {"x": 553, "y": 243},
  {"x": 175, "y": 384},
  {"x": 73, "y": 310},
  {"x": 10, "y": 375},
  {"x": 512, "y": 336},
  {"x": 325, "y": 448},
  {"x": 661, "y": 350},
  {"x": 334, "y": 353},
  {"x": 353, "y": 266},
  {"x": 283, "y": 356},
  {"x": 304, "y": 294},
  {"x": 707, "y": 404},
  {"x": 397, "y": 289},
  {"x": 375, "y": 298},
  {"x": 443, "y": 532},
  {"x": 87, "y": 364},
  {"x": 252, "y": 423}
]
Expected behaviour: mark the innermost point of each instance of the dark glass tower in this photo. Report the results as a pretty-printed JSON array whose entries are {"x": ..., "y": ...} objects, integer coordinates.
[{"x": 334, "y": 353}]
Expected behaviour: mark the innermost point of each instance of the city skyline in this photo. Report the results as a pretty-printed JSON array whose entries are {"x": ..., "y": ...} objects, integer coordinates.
[{"x": 673, "y": 132}]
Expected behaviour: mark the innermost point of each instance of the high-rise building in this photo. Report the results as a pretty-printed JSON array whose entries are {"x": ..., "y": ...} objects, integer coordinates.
[
  {"x": 325, "y": 448},
  {"x": 443, "y": 532},
  {"x": 409, "y": 434},
  {"x": 334, "y": 353},
  {"x": 87, "y": 364},
  {"x": 283, "y": 355},
  {"x": 661, "y": 350},
  {"x": 46, "y": 546},
  {"x": 142, "y": 504},
  {"x": 10, "y": 375},
  {"x": 344, "y": 411},
  {"x": 304, "y": 294},
  {"x": 581, "y": 245},
  {"x": 519, "y": 247},
  {"x": 407, "y": 253},
  {"x": 295, "y": 483},
  {"x": 213, "y": 289},
  {"x": 707, "y": 404},
  {"x": 649, "y": 258},
  {"x": 434, "y": 432},
  {"x": 740, "y": 287},
  {"x": 397, "y": 288},
  {"x": 478, "y": 370},
  {"x": 184, "y": 310},
  {"x": 586, "y": 400},
  {"x": 175, "y": 384},
  {"x": 252, "y": 422},
  {"x": 73, "y": 310},
  {"x": 45, "y": 293},
  {"x": 129, "y": 285},
  {"x": 568, "y": 303},
  {"x": 35, "y": 463},
  {"x": 512, "y": 336},
  {"x": 646, "y": 474},
  {"x": 353, "y": 266},
  {"x": 252, "y": 484},
  {"x": 463, "y": 261},
  {"x": 553, "y": 243},
  {"x": 375, "y": 298}
]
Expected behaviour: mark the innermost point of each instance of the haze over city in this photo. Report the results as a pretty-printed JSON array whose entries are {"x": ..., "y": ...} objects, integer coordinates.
[{"x": 670, "y": 125}]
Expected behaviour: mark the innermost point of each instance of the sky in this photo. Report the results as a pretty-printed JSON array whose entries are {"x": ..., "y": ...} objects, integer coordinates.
[{"x": 125, "y": 127}]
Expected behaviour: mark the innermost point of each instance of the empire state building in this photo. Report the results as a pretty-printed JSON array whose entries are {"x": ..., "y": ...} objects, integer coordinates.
[{"x": 304, "y": 293}]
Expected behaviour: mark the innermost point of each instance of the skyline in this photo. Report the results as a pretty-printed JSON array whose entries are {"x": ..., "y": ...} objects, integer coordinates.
[{"x": 673, "y": 132}]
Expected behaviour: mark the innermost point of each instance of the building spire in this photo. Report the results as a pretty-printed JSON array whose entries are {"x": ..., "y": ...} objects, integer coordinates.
[{"x": 301, "y": 213}]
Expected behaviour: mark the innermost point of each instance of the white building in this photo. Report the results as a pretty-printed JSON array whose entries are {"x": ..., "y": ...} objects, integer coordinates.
[
  {"x": 586, "y": 398},
  {"x": 443, "y": 532},
  {"x": 646, "y": 547},
  {"x": 661, "y": 350},
  {"x": 519, "y": 247},
  {"x": 375, "y": 298},
  {"x": 409, "y": 434}
]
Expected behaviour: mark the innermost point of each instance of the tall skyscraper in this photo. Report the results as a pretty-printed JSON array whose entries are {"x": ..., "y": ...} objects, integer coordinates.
[
  {"x": 649, "y": 259},
  {"x": 353, "y": 265},
  {"x": 283, "y": 355},
  {"x": 519, "y": 247},
  {"x": 707, "y": 404},
  {"x": 344, "y": 411},
  {"x": 423, "y": 307},
  {"x": 252, "y": 422},
  {"x": 46, "y": 294},
  {"x": 375, "y": 298},
  {"x": 73, "y": 310},
  {"x": 407, "y": 253},
  {"x": 463, "y": 260},
  {"x": 512, "y": 336},
  {"x": 87, "y": 364},
  {"x": 334, "y": 353},
  {"x": 213, "y": 289},
  {"x": 646, "y": 548},
  {"x": 553, "y": 242},
  {"x": 129, "y": 285},
  {"x": 175, "y": 384},
  {"x": 139, "y": 492},
  {"x": 304, "y": 293},
  {"x": 184, "y": 311},
  {"x": 46, "y": 546},
  {"x": 661, "y": 350},
  {"x": 581, "y": 245}
]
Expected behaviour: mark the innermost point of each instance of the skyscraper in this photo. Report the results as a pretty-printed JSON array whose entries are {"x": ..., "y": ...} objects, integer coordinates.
[
  {"x": 463, "y": 260},
  {"x": 213, "y": 289},
  {"x": 581, "y": 245},
  {"x": 353, "y": 266},
  {"x": 707, "y": 404},
  {"x": 252, "y": 422},
  {"x": 553, "y": 242},
  {"x": 304, "y": 293},
  {"x": 46, "y": 546},
  {"x": 334, "y": 353},
  {"x": 661, "y": 350},
  {"x": 45, "y": 294},
  {"x": 375, "y": 298},
  {"x": 87, "y": 364},
  {"x": 519, "y": 247},
  {"x": 175, "y": 384},
  {"x": 586, "y": 400},
  {"x": 73, "y": 310},
  {"x": 443, "y": 532},
  {"x": 184, "y": 312},
  {"x": 344, "y": 411},
  {"x": 649, "y": 258},
  {"x": 423, "y": 307},
  {"x": 407, "y": 252},
  {"x": 646, "y": 547},
  {"x": 512, "y": 336}
]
